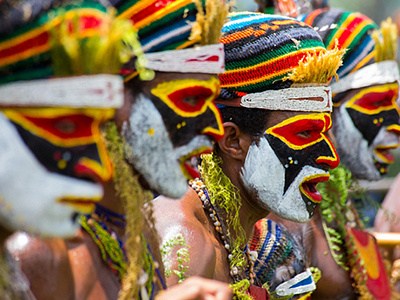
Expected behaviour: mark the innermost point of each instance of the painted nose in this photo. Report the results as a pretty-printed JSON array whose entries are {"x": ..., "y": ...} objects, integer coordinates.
[
  {"x": 95, "y": 164},
  {"x": 214, "y": 128},
  {"x": 331, "y": 159},
  {"x": 395, "y": 128}
]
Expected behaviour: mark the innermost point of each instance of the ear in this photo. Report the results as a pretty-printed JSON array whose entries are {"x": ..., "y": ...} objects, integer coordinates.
[{"x": 235, "y": 143}]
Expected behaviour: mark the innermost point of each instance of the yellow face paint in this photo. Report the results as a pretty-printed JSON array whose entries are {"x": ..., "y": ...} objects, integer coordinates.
[
  {"x": 375, "y": 99},
  {"x": 188, "y": 97},
  {"x": 302, "y": 131},
  {"x": 63, "y": 134}
]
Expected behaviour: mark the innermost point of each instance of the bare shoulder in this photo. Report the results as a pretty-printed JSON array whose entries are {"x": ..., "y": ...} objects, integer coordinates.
[
  {"x": 182, "y": 224},
  {"x": 45, "y": 264}
]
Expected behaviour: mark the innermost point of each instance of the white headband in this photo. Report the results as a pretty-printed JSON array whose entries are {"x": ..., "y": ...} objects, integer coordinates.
[
  {"x": 205, "y": 59},
  {"x": 377, "y": 73},
  {"x": 287, "y": 288},
  {"x": 311, "y": 98},
  {"x": 102, "y": 90}
]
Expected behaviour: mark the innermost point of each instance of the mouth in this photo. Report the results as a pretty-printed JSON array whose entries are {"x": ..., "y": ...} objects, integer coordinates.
[
  {"x": 384, "y": 155},
  {"x": 81, "y": 205},
  {"x": 309, "y": 187},
  {"x": 189, "y": 162}
]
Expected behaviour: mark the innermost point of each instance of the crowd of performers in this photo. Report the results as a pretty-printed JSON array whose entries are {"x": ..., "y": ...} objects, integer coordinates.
[{"x": 175, "y": 149}]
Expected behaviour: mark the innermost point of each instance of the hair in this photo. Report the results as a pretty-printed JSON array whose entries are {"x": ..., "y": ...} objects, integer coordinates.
[{"x": 249, "y": 120}]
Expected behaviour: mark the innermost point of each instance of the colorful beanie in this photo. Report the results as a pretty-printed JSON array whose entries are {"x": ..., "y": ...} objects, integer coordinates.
[
  {"x": 360, "y": 36},
  {"x": 164, "y": 27},
  {"x": 58, "y": 54},
  {"x": 267, "y": 56}
]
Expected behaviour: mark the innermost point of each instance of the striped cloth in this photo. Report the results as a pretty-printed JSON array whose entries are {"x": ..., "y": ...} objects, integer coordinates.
[
  {"x": 262, "y": 49},
  {"x": 351, "y": 30},
  {"x": 272, "y": 246}
]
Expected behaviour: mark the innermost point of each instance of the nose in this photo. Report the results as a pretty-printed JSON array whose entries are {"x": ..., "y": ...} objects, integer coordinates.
[
  {"x": 214, "y": 128},
  {"x": 95, "y": 164},
  {"x": 331, "y": 159}
]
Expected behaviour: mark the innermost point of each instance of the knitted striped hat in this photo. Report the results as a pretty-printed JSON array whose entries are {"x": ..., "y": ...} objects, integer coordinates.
[
  {"x": 369, "y": 50},
  {"x": 351, "y": 30},
  {"x": 49, "y": 39},
  {"x": 269, "y": 53},
  {"x": 163, "y": 26}
]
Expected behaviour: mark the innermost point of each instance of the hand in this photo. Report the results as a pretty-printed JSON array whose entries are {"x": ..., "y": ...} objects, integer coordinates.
[{"x": 197, "y": 288}]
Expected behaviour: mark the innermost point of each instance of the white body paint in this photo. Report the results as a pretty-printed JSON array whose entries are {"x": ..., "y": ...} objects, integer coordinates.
[
  {"x": 29, "y": 192},
  {"x": 153, "y": 155},
  {"x": 264, "y": 175},
  {"x": 353, "y": 149}
]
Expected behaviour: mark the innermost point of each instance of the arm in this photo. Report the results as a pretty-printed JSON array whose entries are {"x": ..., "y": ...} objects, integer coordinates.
[
  {"x": 197, "y": 288},
  {"x": 44, "y": 263},
  {"x": 188, "y": 247}
]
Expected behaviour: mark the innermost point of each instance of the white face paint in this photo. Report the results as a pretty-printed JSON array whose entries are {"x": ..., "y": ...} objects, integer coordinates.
[
  {"x": 152, "y": 153},
  {"x": 352, "y": 148},
  {"x": 29, "y": 193},
  {"x": 264, "y": 175}
]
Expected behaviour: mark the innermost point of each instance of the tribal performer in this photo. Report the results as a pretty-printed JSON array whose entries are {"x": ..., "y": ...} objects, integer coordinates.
[
  {"x": 365, "y": 127},
  {"x": 52, "y": 155},
  {"x": 276, "y": 109},
  {"x": 166, "y": 120}
]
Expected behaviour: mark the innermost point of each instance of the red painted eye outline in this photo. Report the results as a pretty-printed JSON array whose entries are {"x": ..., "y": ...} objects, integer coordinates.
[
  {"x": 62, "y": 126},
  {"x": 191, "y": 99},
  {"x": 188, "y": 97},
  {"x": 65, "y": 127},
  {"x": 301, "y": 132},
  {"x": 375, "y": 99}
]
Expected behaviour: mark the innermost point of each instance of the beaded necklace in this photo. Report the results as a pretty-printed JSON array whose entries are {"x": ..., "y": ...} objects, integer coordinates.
[
  {"x": 199, "y": 187},
  {"x": 111, "y": 247},
  {"x": 113, "y": 250}
]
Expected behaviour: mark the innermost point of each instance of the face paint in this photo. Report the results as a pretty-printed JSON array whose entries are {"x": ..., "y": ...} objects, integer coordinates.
[
  {"x": 296, "y": 155},
  {"x": 167, "y": 126},
  {"x": 31, "y": 195},
  {"x": 369, "y": 122},
  {"x": 66, "y": 140}
]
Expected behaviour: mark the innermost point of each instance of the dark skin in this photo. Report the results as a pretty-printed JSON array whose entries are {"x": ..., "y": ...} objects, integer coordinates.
[
  {"x": 208, "y": 257},
  {"x": 74, "y": 269}
]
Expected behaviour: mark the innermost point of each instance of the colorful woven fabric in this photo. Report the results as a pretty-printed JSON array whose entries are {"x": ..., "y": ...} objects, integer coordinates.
[
  {"x": 272, "y": 247},
  {"x": 25, "y": 48},
  {"x": 261, "y": 50},
  {"x": 351, "y": 30},
  {"x": 161, "y": 25}
]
